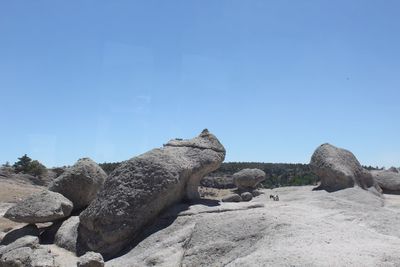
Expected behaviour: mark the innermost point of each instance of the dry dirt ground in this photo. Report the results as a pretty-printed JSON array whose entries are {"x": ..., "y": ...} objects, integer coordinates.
[{"x": 350, "y": 227}]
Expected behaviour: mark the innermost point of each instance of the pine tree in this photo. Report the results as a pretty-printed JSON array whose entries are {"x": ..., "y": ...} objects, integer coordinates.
[{"x": 22, "y": 165}]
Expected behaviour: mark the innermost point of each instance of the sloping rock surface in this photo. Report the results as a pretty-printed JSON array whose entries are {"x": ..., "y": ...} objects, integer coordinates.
[{"x": 304, "y": 228}]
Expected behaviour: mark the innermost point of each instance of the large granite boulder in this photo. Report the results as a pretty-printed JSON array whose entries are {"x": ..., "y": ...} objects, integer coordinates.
[
  {"x": 46, "y": 206},
  {"x": 138, "y": 190},
  {"x": 248, "y": 179},
  {"x": 388, "y": 180},
  {"x": 80, "y": 183},
  {"x": 339, "y": 168}
]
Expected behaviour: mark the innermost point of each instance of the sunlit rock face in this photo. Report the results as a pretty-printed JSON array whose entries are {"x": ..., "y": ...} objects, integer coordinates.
[{"x": 136, "y": 192}]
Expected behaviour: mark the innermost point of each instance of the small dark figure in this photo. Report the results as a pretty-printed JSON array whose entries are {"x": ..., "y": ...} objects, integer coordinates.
[{"x": 274, "y": 197}]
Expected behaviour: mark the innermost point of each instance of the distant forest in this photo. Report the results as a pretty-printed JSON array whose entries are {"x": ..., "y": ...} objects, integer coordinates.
[{"x": 278, "y": 174}]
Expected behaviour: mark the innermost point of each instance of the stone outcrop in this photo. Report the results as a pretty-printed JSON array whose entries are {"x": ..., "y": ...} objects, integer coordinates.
[
  {"x": 91, "y": 259},
  {"x": 46, "y": 206},
  {"x": 339, "y": 168},
  {"x": 248, "y": 179},
  {"x": 80, "y": 183},
  {"x": 138, "y": 190},
  {"x": 388, "y": 180}
]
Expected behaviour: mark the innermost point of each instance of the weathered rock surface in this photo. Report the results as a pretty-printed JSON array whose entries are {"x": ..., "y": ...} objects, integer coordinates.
[
  {"x": 26, "y": 241},
  {"x": 91, "y": 259},
  {"x": 232, "y": 198},
  {"x": 27, "y": 257},
  {"x": 46, "y": 206},
  {"x": 80, "y": 183},
  {"x": 13, "y": 235},
  {"x": 248, "y": 179},
  {"x": 67, "y": 235},
  {"x": 138, "y": 190},
  {"x": 387, "y": 180},
  {"x": 339, "y": 168},
  {"x": 197, "y": 236},
  {"x": 246, "y": 196},
  {"x": 351, "y": 223}
]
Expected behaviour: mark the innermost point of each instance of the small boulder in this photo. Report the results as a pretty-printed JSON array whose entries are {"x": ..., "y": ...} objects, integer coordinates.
[
  {"x": 389, "y": 181},
  {"x": 26, "y": 256},
  {"x": 232, "y": 198},
  {"x": 248, "y": 179},
  {"x": 246, "y": 196},
  {"x": 26, "y": 241},
  {"x": 67, "y": 235},
  {"x": 80, "y": 183},
  {"x": 140, "y": 188},
  {"x": 339, "y": 169},
  {"x": 46, "y": 206},
  {"x": 90, "y": 259}
]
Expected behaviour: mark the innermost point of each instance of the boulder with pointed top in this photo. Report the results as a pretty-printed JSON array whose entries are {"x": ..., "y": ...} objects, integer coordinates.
[{"x": 138, "y": 190}]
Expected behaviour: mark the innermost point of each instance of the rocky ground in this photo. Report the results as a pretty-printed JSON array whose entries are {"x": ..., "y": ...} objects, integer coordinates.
[{"x": 351, "y": 227}]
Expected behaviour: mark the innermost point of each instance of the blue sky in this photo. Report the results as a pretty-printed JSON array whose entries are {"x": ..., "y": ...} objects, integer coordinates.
[{"x": 272, "y": 79}]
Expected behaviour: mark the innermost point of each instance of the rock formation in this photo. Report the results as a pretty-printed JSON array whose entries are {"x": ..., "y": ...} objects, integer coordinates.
[
  {"x": 388, "y": 180},
  {"x": 67, "y": 235},
  {"x": 248, "y": 179},
  {"x": 80, "y": 183},
  {"x": 46, "y": 206},
  {"x": 27, "y": 256},
  {"x": 339, "y": 168},
  {"x": 246, "y": 196},
  {"x": 231, "y": 198},
  {"x": 91, "y": 259},
  {"x": 138, "y": 190}
]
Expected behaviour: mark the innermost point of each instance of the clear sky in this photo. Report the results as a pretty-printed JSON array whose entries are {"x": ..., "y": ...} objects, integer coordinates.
[{"x": 272, "y": 79}]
